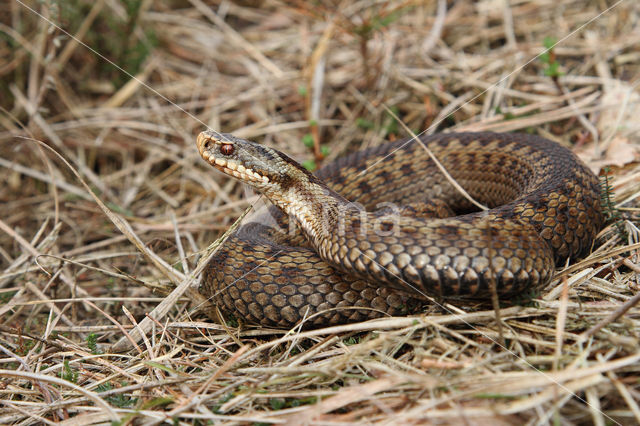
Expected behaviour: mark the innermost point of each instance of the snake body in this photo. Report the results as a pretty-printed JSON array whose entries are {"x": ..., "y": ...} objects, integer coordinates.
[{"x": 352, "y": 260}]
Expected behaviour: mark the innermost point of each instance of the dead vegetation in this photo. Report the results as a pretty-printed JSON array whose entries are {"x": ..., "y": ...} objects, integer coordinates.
[{"x": 133, "y": 204}]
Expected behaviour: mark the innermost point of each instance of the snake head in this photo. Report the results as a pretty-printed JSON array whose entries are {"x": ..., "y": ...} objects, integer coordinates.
[{"x": 257, "y": 165}]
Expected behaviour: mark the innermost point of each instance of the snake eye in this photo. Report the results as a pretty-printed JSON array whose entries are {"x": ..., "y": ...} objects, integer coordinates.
[{"x": 226, "y": 149}]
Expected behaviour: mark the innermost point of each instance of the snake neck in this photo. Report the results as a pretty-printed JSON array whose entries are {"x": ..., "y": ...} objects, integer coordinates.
[{"x": 317, "y": 209}]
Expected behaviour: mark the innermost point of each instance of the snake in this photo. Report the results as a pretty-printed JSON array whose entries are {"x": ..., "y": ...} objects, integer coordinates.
[{"x": 382, "y": 231}]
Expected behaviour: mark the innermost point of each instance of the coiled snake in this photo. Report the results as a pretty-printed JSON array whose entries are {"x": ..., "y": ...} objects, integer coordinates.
[{"x": 355, "y": 263}]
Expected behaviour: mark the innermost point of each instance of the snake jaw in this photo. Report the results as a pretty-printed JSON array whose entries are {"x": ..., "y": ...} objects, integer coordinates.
[{"x": 221, "y": 151}]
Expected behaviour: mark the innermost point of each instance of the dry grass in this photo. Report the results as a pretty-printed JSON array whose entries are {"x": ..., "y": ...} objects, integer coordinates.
[{"x": 72, "y": 263}]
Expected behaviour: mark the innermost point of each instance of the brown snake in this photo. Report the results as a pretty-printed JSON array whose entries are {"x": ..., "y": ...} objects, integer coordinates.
[{"x": 353, "y": 264}]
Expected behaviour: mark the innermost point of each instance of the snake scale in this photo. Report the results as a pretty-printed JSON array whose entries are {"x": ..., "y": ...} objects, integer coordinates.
[{"x": 357, "y": 256}]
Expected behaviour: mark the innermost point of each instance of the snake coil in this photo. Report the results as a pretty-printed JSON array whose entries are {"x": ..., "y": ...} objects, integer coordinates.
[{"x": 353, "y": 261}]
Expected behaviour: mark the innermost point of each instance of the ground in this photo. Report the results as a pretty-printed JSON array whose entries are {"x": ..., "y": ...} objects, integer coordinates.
[{"x": 106, "y": 207}]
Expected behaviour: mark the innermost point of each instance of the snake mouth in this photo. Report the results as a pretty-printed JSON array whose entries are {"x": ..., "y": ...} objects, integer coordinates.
[{"x": 212, "y": 150}]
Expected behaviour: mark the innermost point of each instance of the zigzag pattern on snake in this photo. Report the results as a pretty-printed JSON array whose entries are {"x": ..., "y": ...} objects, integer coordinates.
[{"x": 350, "y": 264}]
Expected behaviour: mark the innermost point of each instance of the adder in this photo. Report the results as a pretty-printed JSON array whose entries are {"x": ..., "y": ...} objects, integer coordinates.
[{"x": 351, "y": 260}]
